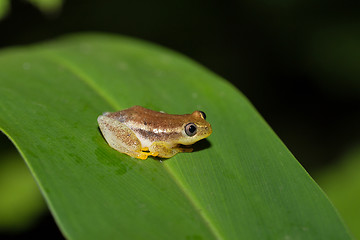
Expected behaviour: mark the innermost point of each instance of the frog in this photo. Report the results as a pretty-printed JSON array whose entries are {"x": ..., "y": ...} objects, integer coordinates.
[{"x": 140, "y": 132}]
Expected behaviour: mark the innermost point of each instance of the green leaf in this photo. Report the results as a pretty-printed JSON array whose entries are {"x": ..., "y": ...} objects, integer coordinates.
[{"x": 240, "y": 184}]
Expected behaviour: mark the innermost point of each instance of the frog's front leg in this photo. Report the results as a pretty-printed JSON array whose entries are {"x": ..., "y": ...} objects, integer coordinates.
[
  {"x": 165, "y": 150},
  {"x": 185, "y": 149},
  {"x": 121, "y": 138}
]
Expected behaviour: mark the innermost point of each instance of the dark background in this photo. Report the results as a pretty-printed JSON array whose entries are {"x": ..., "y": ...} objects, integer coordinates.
[{"x": 298, "y": 61}]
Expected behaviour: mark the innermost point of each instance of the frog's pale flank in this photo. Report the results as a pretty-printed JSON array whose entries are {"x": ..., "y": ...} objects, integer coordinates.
[{"x": 140, "y": 132}]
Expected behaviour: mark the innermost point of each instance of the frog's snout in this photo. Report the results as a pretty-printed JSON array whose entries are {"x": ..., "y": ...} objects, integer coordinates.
[{"x": 208, "y": 130}]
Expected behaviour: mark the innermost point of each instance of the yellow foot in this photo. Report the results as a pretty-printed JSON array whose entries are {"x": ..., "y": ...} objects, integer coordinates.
[{"x": 143, "y": 155}]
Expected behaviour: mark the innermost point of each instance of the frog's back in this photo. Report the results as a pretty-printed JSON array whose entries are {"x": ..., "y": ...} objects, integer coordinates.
[
  {"x": 143, "y": 118},
  {"x": 149, "y": 125},
  {"x": 130, "y": 114}
]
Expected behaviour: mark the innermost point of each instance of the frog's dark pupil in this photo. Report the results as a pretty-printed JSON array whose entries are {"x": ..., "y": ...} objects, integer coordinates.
[
  {"x": 203, "y": 114},
  {"x": 190, "y": 129}
]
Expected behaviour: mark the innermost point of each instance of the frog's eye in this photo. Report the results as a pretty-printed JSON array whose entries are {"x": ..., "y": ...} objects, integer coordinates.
[
  {"x": 203, "y": 115},
  {"x": 190, "y": 129}
]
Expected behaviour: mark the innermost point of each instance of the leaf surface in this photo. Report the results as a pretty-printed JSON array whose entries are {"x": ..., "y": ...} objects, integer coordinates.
[{"x": 241, "y": 183}]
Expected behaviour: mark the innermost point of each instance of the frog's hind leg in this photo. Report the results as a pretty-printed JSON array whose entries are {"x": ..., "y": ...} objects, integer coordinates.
[{"x": 121, "y": 138}]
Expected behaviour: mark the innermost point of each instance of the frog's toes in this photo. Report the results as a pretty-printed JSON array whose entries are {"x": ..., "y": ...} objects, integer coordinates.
[
  {"x": 145, "y": 149},
  {"x": 143, "y": 155},
  {"x": 155, "y": 154}
]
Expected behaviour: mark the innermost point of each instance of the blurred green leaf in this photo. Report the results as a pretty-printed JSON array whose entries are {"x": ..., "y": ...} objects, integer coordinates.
[
  {"x": 47, "y": 6},
  {"x": 342, "y": 184},
  {"x": 240, "y": 184},
  {"x": 4, "y": 8},
  {"x": 20, "y": 200}
]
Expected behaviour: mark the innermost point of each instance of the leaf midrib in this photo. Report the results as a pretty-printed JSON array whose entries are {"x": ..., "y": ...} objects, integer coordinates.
[{"x": 92, "y": 84}]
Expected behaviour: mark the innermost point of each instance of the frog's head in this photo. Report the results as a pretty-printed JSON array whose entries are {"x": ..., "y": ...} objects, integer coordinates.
[{"x": 195, "y": 128}]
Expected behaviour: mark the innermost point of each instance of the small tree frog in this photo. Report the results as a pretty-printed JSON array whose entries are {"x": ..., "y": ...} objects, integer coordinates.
[{"x": 140, "y": 132}]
